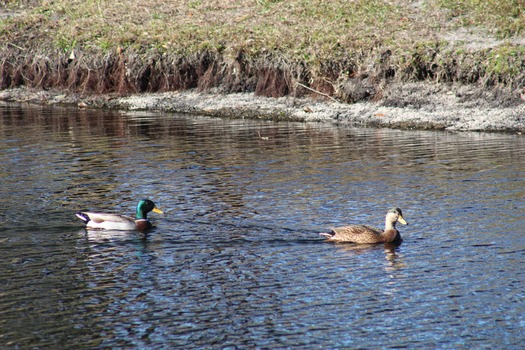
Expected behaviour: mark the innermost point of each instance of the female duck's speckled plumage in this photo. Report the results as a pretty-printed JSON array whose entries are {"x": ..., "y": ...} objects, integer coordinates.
[
  {"x": 105, "y": 221},
  {"x": 365, "y": 234}
]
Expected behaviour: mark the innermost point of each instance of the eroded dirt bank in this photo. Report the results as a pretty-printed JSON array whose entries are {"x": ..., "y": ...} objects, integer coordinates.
[{"x": 409, "y": 106}]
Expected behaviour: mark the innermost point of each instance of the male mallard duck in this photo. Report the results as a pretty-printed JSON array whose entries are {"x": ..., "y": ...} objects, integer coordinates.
[
  {"x": 368, "y": 234},
  {"x": 106, "y": 221}
]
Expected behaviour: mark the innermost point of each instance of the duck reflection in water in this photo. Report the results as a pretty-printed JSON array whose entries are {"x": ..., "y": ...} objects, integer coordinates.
[{"x": 391, "y": 251}]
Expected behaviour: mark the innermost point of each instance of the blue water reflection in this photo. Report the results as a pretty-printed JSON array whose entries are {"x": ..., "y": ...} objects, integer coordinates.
[{"x": 235, "y": 261}]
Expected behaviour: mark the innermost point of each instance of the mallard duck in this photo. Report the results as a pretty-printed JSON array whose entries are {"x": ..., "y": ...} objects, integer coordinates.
[
  {"x": 119, "y": 222},
  {"x": 368, "y": 234}
]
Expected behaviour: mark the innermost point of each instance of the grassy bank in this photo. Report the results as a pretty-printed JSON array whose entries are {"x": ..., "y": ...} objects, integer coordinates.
[{"x": 349, "y": 50}]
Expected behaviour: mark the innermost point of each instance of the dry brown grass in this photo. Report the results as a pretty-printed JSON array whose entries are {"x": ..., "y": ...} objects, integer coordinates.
[{"x": 346, "y": 49}]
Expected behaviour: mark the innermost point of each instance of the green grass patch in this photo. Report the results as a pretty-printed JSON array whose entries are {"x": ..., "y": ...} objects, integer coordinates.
[
  {"x": 505, "y": 18},
  {"x": 506, "y": 60},
  {"x": 298, "y": 29}
]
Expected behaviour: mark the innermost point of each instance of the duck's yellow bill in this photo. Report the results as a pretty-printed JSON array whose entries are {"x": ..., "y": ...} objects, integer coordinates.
[
  {"x": 401, "y": 220},
  {"x": 157, "y": 210}
]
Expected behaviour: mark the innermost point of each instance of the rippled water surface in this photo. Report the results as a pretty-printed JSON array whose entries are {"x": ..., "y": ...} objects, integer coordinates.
[{"x": 236, "y": 261}]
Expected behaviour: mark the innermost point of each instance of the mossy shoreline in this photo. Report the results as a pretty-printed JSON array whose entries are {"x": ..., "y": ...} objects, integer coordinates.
[{"x": 427, "y": 64}]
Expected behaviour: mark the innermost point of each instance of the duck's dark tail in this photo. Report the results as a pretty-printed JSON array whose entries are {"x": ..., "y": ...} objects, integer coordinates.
[{"x": 83, "y": 217}]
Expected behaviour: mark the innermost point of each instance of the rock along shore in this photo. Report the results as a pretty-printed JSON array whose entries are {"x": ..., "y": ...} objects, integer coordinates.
[{"x": 407, "y": 106}]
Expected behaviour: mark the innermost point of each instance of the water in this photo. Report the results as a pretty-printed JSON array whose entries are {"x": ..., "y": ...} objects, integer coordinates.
[{"x": 235, "y": 261}]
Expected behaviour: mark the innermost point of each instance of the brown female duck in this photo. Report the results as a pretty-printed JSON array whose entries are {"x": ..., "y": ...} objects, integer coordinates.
[{"x": 365, "y": 234}]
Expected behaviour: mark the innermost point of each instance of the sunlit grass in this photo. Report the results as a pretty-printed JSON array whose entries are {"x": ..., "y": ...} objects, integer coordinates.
[
  {"x": 298, "y": 28},
  {"x": 505, "y": 18},
  {"x": 339, "y": 38}
]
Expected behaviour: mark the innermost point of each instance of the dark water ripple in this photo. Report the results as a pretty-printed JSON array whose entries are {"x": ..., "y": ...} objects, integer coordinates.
[{"x": 235, "y": 262}]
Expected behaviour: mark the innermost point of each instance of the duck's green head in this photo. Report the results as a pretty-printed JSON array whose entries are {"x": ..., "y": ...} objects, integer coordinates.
[
  {"x": 144, "y": 207},
  {"x": 398, "y": 215}
]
